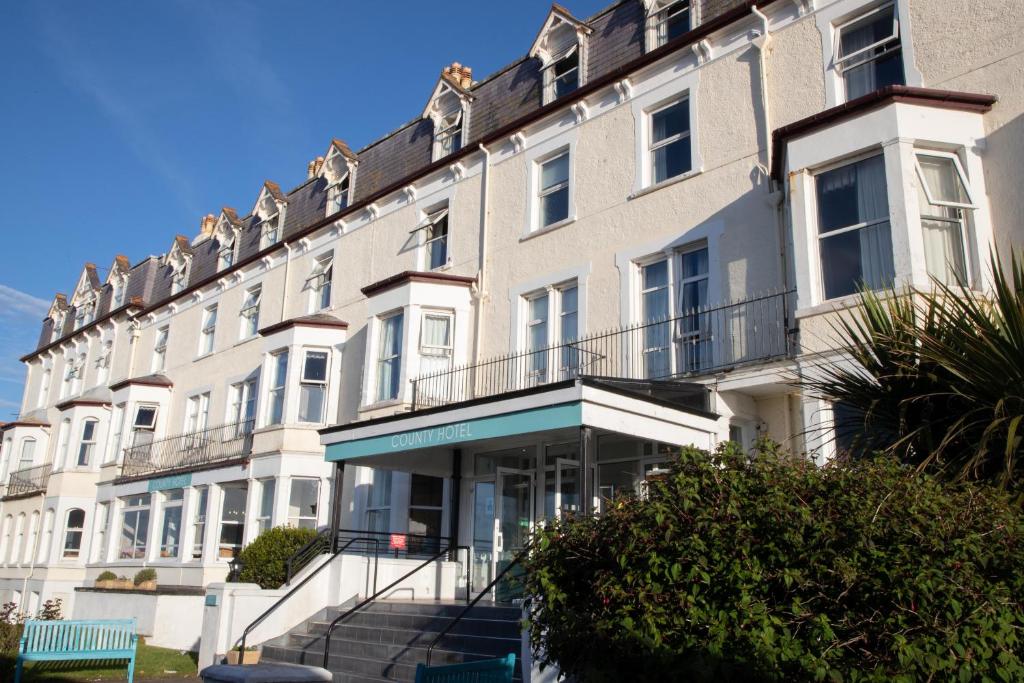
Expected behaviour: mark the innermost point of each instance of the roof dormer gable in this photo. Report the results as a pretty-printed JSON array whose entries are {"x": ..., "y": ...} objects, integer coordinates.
[
  {"x": 119, "y": 270},
  {"x": 448, "y": 109},
  {"x": 88, "y": 286},
  {"x": 180, "y": 253},
  {"x": 338, "y": 161},
  {"x": 270, "y": 201},
  {"x": 58, "y": 307},
  {"x": 560, "y": 32},
  {"x": 227, "y": 227}
]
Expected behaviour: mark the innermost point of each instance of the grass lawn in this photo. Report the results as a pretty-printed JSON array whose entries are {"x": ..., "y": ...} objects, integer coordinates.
[{"x": 150, "y": 662}]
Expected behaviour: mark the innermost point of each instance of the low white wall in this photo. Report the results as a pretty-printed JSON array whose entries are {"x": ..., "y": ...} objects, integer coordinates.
[
  {"x": 231, "y": 607},
  {"x": 172, "y": 621}
]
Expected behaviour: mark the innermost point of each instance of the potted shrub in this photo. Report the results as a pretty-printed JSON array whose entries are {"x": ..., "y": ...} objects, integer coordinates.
[
  {"x": 251, "y": 655},
  {"x": 123, "y": 583},
  {"x": 145, "y": 579},
  {"x": 106, "y": 579}
]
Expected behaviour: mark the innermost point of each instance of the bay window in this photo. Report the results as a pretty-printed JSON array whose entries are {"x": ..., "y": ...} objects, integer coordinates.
[
  {"x": 303, "y": 502},
  {"x": 264, "y": 519},
  {"x": 232, "y": 520},
  {"x": 868, "y": 52},
  {"x": 170, "y": 534},
  {"x": 854, "y": 241},
  {"x": 389, "y": 357},
  {"x": 134, "y": 527},
  {"x": 313, "y": 387},
  {"x": 943, "y": 202}
]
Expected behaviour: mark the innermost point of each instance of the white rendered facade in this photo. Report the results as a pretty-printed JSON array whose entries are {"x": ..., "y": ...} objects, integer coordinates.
[{"x": 662, "y": 187}]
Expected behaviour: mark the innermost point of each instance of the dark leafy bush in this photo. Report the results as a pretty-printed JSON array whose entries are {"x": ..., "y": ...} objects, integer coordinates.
[
  {"x": 106, "y": 576},
  {"x": 52, "y": 610},
  {"x": 768, "y": 568},
  {"x": 263, "y": 560},
  {"x": 143, "y": 575}
]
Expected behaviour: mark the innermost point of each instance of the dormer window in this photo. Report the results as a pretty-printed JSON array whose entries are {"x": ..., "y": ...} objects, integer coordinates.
[
  {"x": 118, "y": 294},
  {"x": 226, "y": 233},
  {"x": 58, "y": 327},
  {"x": 269, "y": 231},
  {"x": 84, "y": 314},
  {"x": 666, "y": 21},
  {"x": 337, "y": 195},
  {"x": 179, "y": 280},
  {"x": 448, "y": 107},
  {"x": 561, "y": 47},
  {"x": 226, "y": 255}
]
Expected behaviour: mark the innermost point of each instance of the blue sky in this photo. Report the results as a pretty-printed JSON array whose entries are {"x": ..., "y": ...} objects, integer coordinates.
[{"x": 122, "y": 123}]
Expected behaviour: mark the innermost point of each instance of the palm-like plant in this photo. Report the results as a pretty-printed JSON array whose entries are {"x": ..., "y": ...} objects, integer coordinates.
[{"x": 938, "y": 377}]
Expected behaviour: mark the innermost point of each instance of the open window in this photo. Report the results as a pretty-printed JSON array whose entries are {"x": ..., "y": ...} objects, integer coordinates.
[
  {"x": 868, "y": 53},
  {"x": 249, "y": 314},
  {"x": 944, "y": 203},
  {"x": 561, "y": 47},
  {"x": 269, "y": 210},
  {"x": 448, "y": 108},
  {"x": 666, "y": 21},
  {"x": 338, "y": 171},
  {"x": 435, "y": 237},
  {"x": 145, "y": 417},
  {"x": 319, "y": 283},
  {"x": 226, "y": 232}
]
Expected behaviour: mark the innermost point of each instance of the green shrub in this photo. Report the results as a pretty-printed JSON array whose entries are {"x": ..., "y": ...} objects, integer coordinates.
[
  {"x": 106, "y": 576},
  {"x": 52, "y": 610},
  {"x": 768, "y": 568},
  {"x": 10, "y": 638},
  {"x": 263, "y": 560},
  {"x": 147, "y": 574}
]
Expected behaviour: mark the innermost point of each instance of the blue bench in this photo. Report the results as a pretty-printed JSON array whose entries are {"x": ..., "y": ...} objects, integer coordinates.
[
  {"x": 486, "y": 671},
  {"x": 91, "y": 639}
]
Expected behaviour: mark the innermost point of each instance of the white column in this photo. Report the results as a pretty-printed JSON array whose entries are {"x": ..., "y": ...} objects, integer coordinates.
[
  {"x": 905, "y": 219},
  {"x": 805, "y": 251},
  {"x": 188, "y": 517},
  {"x": 323, "y": 507},
  {"x": 249, "y": 528},
  {"x": 282, "y": 495},
  {"x": 211, "y": 552},
  {"x": 156, "y": 513}
]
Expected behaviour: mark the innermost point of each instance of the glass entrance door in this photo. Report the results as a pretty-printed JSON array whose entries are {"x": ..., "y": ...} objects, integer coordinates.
[
  {"x": 483, "y": 533},
  {"x": 567, "y": 487},
  {"x": 512, "y": 525}
]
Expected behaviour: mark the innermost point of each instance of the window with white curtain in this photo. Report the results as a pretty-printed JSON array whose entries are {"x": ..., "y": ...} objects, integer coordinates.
[
  {"x": 378, "y": 502},
  {"x": 243, "y": 406},
  {"x": 389, "y": 357},
  {"x": 303, "y": 502},
  {"x": 537, "y": 338},
  {"x": 44, "y": 387},
  {"x": 868, "y": 51},
  {"x": 854, "y": 241},
  {"x": 28, "y": 453},
  {"x": 160, "y": 349},
  {"x": 436, "y": 342},
  {"x": 668, "y": 20},
  {"x": 87, "y": 446},
  {"x": 197, "y": 413},
  {"x": 313, "y": 387},
  {"x": 568, "y": 331},
  {"x": 208, "y": 330},
  {"x": 943, "y": 201}
]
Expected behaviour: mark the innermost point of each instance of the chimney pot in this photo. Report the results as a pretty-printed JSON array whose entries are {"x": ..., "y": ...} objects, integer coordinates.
[
  {"x": 207, "y": 224},
  {"x": 463, "y": 75}
]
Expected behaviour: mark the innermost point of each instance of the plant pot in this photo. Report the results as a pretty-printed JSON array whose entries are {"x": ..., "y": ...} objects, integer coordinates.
[
  {"x": 105, "y": 583},
  {"x": 146, "y": 585},
  {"x": 247, "y": 657},
  {"x": 123, "y": 584}
]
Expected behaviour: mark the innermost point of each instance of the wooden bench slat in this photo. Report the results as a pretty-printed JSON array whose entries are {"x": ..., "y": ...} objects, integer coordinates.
[{"x": 77, "y": 639}]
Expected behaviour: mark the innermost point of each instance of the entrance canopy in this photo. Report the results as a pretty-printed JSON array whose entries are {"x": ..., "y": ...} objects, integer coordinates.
[{"x": 668, "y": 412}]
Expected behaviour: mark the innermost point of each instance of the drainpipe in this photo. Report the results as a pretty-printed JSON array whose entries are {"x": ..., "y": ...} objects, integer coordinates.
[{"x": 481, "y": 288}]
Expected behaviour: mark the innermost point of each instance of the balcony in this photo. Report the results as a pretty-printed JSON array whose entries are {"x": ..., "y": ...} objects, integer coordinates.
[
  {"x": 191, "y": 451},
  {"x": 29, "y": 480},
  {"x": 698, "y": 343}
]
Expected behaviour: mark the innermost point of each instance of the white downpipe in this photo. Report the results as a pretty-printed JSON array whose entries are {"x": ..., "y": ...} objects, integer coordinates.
[{"x": 481, "y": 284}]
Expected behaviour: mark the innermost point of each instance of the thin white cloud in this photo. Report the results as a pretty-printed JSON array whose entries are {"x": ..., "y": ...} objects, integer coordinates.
[
  {"x": 14, "y": 302},
  {"x": 82, "y": 72}
]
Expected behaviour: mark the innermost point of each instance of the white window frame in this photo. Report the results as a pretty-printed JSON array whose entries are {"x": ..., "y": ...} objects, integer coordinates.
[
  {"x": 341, "y": 189},
  {"x": 446, "y": 351},
  {"x": 201, "y": 494},
  {"x": 75, "y": 552},
  {"x": 87, "y": 447},
  {"x": 208, "y": 330},
  {"x": 323, "y": 384},
  {"x": 653, "y": 147},
  {"x": 221, "y": 546},
  {"x": 249, "y": 314},
  {"x": 277, "y": 391},
  {"x": 432, "y": 218},
  {"x": 146, "y": 426},
  {"x": 179, "y": 279},
  {"x": 197, "y": 413},
  {"x": 265, "y": 516},
  {"x": 163, "y": 335},
  {"x": 448, "y": 133},
  {"x": 658, "y": 17},
  {"x": 543, "y": 192},
  {"x": 551, "y": 79},
  {"x": 923, "y": 152},
  {"x": 168, "y": 504},
  {"x": 297, "y": 520},
  {"x": 385, "y": 483},
  {"x": 320, "y": 283},
  {"x": 839, "y": 60},
  {"x": 44, "y": 387},
  {"x": 243, "y": 395},
  {"x": 270, "y": 230},
  {"x": 136, "y": 509},
  {"x": 226, "y": 254},
  {"x": 392, "y": 357}
]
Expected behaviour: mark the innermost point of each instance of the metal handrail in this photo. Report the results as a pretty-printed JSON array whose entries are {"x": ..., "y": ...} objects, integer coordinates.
[
  {"x": 301, "y": 557},
  {"x": 447, "y": 629},
  {"x": 259, "y": 620},
  {"x": 433, "y": 558}
]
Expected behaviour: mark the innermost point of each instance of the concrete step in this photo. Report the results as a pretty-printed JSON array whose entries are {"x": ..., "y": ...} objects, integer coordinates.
[
  {"x": 408, "y": 641},
  {"x": 481, "y": 610},
  {"x": 495, "y": 628}
]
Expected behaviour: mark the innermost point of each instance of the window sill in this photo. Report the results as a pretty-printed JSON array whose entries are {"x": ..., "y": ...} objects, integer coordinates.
[
  {"x": 244, "y": 340},
  {"x": 665, "y": 183},
  {"x": 548, "y": 228},
  {"x": 379, "y": 405},
  {"x": 202, "y": 356}
]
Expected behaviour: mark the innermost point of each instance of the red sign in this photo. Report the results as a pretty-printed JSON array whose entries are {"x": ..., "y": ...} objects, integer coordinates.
[{"x": 398, "y": 542}]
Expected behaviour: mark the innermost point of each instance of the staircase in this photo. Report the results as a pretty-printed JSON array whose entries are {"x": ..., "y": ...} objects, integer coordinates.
[{"x": 387, "y": 639}]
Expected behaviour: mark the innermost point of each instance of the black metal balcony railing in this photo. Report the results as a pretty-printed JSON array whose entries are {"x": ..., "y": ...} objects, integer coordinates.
[
  {"x": 189, "y": 451},
  {"x": 29, "y": 480},
  {"x": 701, "y": 342}
]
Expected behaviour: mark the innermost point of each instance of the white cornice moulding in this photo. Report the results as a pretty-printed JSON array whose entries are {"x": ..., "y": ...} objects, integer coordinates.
[
  {"x": 372, "y": 211},
  {"x": 410, "y": 193},
  {"x": 338, "y": 228},
  {"x": 804, "y": 7},
  {"x": 518, "y": 141},
  {"x": 580, "y": 111},
  {"x": 266, "y": 262},
  {"x": 702, "y": 49},
  {"x": 624, "y": 90},
  {"x": 457, "y": 170}
]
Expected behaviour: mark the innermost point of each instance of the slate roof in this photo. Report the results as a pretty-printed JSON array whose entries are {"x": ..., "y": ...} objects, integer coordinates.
[{"x": 512, "y": 93}]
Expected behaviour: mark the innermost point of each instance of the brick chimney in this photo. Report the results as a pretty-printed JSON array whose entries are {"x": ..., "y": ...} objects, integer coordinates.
[
  {"x": 313, "y": 167},
  {"x": 463, "y": 75},
  {"x": 207, "y": 224}
]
